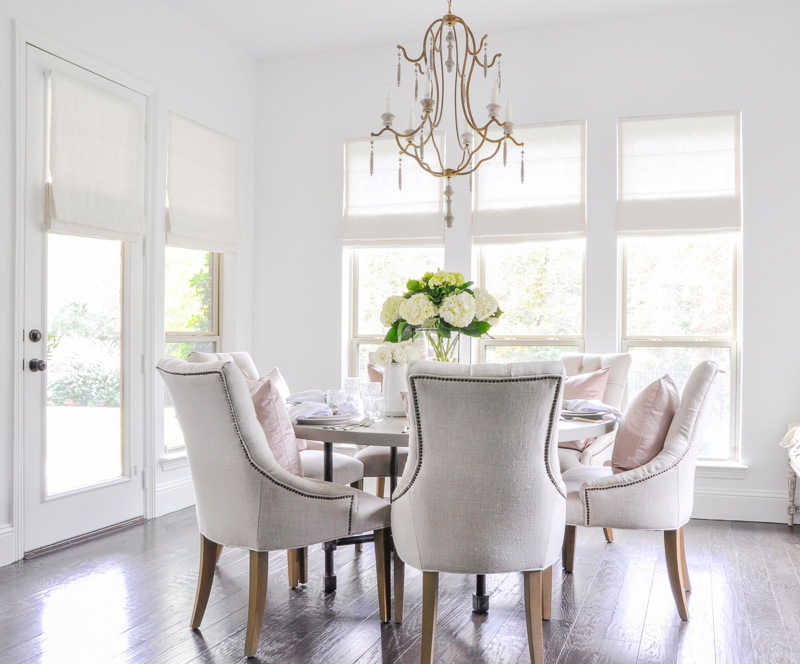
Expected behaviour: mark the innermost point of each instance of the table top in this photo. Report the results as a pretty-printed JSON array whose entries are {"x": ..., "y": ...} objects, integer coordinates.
[{"x": 390, "y": 432}]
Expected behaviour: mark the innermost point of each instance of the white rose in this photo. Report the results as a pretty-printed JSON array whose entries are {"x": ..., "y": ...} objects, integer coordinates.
[
  {"x": 415, "y": 350},
  {"x": 383, "y": 356},
  {"x": 485, "y": 304},
  {"x": 458, "y": 310},
  {"x": 389, "y": 311},
  {"x": 400, "y": 355},
  {"x": 417, "y": 309}
]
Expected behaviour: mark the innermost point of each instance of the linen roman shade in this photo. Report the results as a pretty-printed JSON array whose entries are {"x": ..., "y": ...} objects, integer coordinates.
[
  {"x": 96, "y": 162},
  {"x": 376, "y": 210},
  {"x": 550, "y": 203},
  {"x": 202, "y": 187},
  {"x": 679, "y": 174}
]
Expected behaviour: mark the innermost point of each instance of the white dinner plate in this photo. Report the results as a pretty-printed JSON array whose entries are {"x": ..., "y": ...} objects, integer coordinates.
[
  {"x": 588, "y": 416},
  {"x": 329, "y": 419}
]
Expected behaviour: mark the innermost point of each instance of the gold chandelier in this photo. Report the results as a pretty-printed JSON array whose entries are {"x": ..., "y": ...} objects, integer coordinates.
[{"x": 477, "y": 142}]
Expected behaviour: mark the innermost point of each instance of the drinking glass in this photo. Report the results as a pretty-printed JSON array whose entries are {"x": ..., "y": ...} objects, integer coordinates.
[
  {"x": 374, "y": 408},
  {"x": 370, "y": 390},
  {"x": 335, "y": 396},
  {"x": 352, "y": 388}
]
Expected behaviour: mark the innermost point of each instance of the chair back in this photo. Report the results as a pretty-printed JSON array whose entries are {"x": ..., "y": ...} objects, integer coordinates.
[
  {"x": 241, "y": 359},
  {"x": 482, "y": 490},
  {"x": 225, "y": 446},
  {"x": 618, "y": 365}
]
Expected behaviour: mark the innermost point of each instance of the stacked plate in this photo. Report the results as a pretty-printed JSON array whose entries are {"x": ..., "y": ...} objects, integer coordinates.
[
  {"x": 329, "y": 419},
  {"x": 573, "y": 414}
]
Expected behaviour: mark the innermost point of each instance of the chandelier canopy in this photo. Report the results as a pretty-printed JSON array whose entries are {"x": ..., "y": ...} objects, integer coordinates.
[{"x": 478, "y": 140}]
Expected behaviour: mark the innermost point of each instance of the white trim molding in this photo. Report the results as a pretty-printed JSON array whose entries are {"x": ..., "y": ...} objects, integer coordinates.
[
  {"x": 174, "y": 496},
  {"x": 173, "y": 461},
  {"x": 740, "y": 505},
  {"x": 721, "y": 470},
  {"x": 7, "y": 545}
]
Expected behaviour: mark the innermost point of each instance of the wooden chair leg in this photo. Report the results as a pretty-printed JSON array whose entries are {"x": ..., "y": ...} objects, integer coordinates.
[
  {"x": 219, "y": 553},
  {"x": 293, "y": 567},
  {"x": 303, "y": 566},
  {"x": 533, "y": 615},
  {"x": 547, "y": 592},
  {"x": 430, "y": 603},
  {"x": 360, "y": 486},
  {"x": 609, "y": 533},
  {"x": 383, "y": 563},
  {"x": 568, "y": 548},
  {"x": 687, "y": 584},
  {"x": 259, "y": 567},
  {"x": 672, "y": 549},
  {"x": 399, "y": 587},
  {"x": 209, "y": 553},
  {"x": 381, "y": 481}
]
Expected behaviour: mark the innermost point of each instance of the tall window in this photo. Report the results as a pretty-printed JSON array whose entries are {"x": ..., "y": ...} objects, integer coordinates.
[
  {"x": 679, "y": 217},
  {"x": 392, "y": 231},
  {"x": 191, "y": 314},
  {"x": 529, "y": 237}
]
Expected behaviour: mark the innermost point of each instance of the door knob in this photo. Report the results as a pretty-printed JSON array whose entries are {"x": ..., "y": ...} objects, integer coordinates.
[
  {"x": 37, "y": 365},
  {"x": 35, "y": 336}
]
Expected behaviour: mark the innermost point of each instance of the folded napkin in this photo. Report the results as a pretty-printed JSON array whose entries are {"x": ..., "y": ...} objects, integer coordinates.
[
  {"x": 308, "y": 395},
  {"x": 317, "y": 409},
  {"x": 591, "y": 406},
  {"x": 792, "y": 441}
]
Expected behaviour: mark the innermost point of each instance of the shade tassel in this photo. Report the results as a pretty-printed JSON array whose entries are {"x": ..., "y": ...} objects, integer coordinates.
[
  {"x": 400, "y": 174},
  {"x": 522, "y": 168},
  {"x": 371, "y": 157}
]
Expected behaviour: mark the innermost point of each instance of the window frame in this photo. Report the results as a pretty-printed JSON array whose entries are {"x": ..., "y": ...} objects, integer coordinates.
[
  {"x": 578, "y": 341},
  {"x": 731, "y": 341}
]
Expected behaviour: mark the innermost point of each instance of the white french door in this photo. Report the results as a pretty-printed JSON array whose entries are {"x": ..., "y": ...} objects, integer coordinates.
[{"x": 83, "y": 392}]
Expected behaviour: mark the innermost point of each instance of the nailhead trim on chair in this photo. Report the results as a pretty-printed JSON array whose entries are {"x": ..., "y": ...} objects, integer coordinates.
[
  {"x": 499, "y": 379},
  {"x": 660, "y": 472},
  {"x": 247, "y": 452}
]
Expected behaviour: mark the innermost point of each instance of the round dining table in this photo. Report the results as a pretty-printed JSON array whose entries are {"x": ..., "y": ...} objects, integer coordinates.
[{"x": 392, "y": 432}]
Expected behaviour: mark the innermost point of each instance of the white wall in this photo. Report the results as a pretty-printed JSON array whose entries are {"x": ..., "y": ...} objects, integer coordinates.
[
  {"x": 743, "y": 57},
  {"x": 198, "y": 75}
]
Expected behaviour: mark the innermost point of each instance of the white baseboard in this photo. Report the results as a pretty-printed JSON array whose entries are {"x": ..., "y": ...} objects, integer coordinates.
[
  {"x": 7, "y": 549},
  {"x": 174, "y": 496},
  {"x": 741, "y": 505}
]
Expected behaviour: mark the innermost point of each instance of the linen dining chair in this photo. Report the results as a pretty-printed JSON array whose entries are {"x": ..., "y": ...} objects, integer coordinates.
[
  {"x": 656, "y": 496},
  {"x": 482, "y": 492},
  {"x": 246, "y": 500}
]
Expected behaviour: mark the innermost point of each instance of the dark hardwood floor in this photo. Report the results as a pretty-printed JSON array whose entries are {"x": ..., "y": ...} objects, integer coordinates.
[{"x": 127, "y": 597}]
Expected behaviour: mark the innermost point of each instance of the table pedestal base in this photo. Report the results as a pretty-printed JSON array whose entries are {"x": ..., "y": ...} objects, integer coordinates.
[{"x": 480, "y": 600}]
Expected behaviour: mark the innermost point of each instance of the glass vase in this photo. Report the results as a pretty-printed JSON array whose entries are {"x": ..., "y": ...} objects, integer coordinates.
[{"x": 443, "y": 349}]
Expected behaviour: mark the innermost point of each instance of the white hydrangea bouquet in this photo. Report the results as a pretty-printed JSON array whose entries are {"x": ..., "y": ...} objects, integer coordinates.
[
  {"x": 400, "y": 353},
  {"x": 442, "y": 305}
]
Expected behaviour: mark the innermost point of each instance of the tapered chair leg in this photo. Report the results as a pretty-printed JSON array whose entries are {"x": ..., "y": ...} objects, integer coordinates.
[
  {"x": 259, "y": 567},
  {"x": 547, "y": 592},
  {"x": 293, "y": 560},
  {"x": 303, "y": 566},
  {"x": 381, "y": 481},
  {"x": 383, "y": 562},
  {"x": 360, "y": 486},
  {"x": 568, "y": 548},
  {"x": 687, "y": 584},
  {"x": 533, "y": 615},
  {"x": 209, "y": 553},
  {"x": 399, "y": 587},
  {"x": 430, "y": 604},
  {"x": 672, "y": 548},
  {"x": 609, "y": 533},
  {"x": 219, "y": 554}
]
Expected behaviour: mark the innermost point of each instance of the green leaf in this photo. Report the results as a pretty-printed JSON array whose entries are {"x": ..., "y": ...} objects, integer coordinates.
[
  {"x": 413, "y": 285},
  {"x": 401, "y": 325},
  {"x": 391, "y": 335}
]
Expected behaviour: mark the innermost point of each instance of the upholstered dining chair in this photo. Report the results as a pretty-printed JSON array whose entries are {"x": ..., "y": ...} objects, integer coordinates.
[
  {"x": 482, "y": 492},
  {"x": 656, "y": 496},
  {"x": 245, "y": 499}
]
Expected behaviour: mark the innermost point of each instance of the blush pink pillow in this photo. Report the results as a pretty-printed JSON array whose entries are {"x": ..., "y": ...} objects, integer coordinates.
[
  {"x": 274, "y": 419},
  {"x": 586, "y": 385},
  {"x": 644, "y": 427},
  {"x": 375, "y": 373}
]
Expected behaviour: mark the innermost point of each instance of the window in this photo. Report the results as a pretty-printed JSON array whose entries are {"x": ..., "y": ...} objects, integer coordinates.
[
  {"x": 540, "y": 289},
  {"x": 191, "y": 315},
  {"x": 679, "y": 217},
  {"x": 377, "y": 273}
]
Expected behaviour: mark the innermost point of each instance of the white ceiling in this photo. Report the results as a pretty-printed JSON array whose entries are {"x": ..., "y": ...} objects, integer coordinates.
[{"x": 273, "y": 28}]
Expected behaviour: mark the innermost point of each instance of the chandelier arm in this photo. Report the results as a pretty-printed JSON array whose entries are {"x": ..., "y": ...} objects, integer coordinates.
[
  {"x": 413, "y": 155},
  {"x": 438, "y": 111},
  {"x": 438, "y": 153},
  {"x": 475, "y": 167},
  {"x": 424, "y": 45}
]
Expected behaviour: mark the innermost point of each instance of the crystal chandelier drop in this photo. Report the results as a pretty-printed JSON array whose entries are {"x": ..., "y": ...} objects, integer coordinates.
[{"x": 450, "y": 57}]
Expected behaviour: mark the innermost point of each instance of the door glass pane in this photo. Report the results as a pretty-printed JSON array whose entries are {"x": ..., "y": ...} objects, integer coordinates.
[
  {"x": 385, "y": 272},
  {"x": 188, "y": 291},
  {"x": 84, "y": 354},
  {"x": 539, "y": 286},
  {"x": 652, "y": 362},
  {"x": 502, "y": 354}
]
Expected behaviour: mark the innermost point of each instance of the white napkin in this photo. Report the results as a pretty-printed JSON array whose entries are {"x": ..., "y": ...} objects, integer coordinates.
[
  {"x": 308, "y": 395},
  {"x": 590, "y": 406},
  {"x": 307, "y": 409},
  {"x": 792, "y": 441}
]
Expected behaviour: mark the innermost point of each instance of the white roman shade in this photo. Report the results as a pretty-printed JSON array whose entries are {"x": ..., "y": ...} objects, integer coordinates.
[
  {"x": 96, "y": 162},
  {"x": 376, "y": 210},
  {"x": 202, "y": 187},
  {"x": 550, "y": 203},
  {"x": 679, "y": 174}
]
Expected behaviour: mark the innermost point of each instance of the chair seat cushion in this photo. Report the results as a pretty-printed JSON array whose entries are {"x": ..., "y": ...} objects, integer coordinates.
[
  {"x": 569, "y": 459},
  {"x": 376, "y": 460},
  {"x": 372, "y": 513},
  {"x": 575, "y": 478},
  {"x": 346, "y": 469}
]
